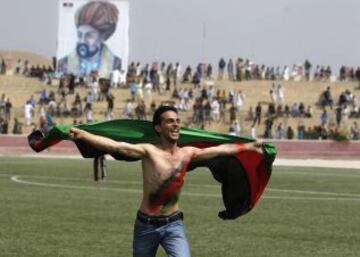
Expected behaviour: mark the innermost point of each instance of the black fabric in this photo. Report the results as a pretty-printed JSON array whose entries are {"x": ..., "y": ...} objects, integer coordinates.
[
  {"x": 35, "y": 136},
  {"x": 235, "y": 187}
]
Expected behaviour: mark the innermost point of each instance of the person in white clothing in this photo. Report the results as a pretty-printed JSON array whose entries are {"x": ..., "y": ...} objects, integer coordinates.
[
  {"x": 239, "y": 100},
  {"x": 280, "y": 95},
  {"x": 273, "y": 94},
  {"x": 286, "y": 73},
  {"x": 28, "y": 113},
  {"x": 115, "y": 78},
  {"x": 128, "y": 109},
  {"x": 253, "y": 132},
  {"x": 94, "y": 88},
  {"x": 215, "y": 110},
  {"x": 148, "y": 87}
]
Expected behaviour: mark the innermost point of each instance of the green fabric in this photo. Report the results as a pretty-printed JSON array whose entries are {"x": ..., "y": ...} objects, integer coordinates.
[{"x": 139, "y": 131}]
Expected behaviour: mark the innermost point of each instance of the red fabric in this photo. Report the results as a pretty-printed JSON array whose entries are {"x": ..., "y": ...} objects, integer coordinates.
[
  {"x": 258, "y": 174},
  {"x": 38, "y": 145},
  {"x": 253, "y": 163}
]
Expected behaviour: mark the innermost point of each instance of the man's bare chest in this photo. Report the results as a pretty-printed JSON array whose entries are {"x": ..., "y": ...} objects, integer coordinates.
[{"x": 164, "y": 168}]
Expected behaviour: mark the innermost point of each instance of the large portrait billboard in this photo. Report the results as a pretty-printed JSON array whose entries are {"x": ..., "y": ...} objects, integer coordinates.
[{"x": 93, "y": 36}]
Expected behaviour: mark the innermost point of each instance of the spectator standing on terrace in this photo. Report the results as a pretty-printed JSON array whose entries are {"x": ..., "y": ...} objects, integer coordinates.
[
  {"x": 140, "y": 110},
  {"x": 280, "y": 131},
  {"x": 239, "y": 100},
  {"x": 148, "y": 87},
  {"x": 133, "y": 88},
  {"x": 273, "y": 94},
  {"x": 239, "y": 67},
  {"x": 2, "y": 105},
  {"x": 301, "y": 132},
  {"x": 280, "y": 95},
  {"x": 326, "y": 98},
  {"x": 250, "y": 114},
  {"x": 342, "y": 73},
  {"x": 253, "y": 132},
  {"x": 308, "y": 113},
  {"x": 8, "y": 106},
  {"x": 110, "y": 106},
  {"x": 115, "y": 78},
  {"x": 230, "y": 70},
  {"x": 357, "y": 76},
  {"x": 247, "y": 69},
  {"x": 176, "y": 73},
  {"x": 345, "y": 112},
  {"x": 338, "y": 115},
  {"x": 307, "y": 67},
  {"x": 268, "y": 127},
  {"x": 89, "y": 115},
  {"x": 215, "y": 110},
  {"x": 187, "y": 75},
  {"x": 209, "y": 71},
  {"x": 95, "y": 88},
  {"x": 355, "y": 131},
  {"x": 3, "y": 67},
  {"x": 128, "y": 109},
  {"x": 89, "y": 99},
  {"x": 237, "y": 127},
  {"x": 233, "y": 113},
  {"x": 257, "y": 115},
  {"x": 290, "y": 133},
  {"x": 286, "y": 73},
  {"x": 99, "y": 167},
  {"x": 76, "y": 109},
  {"x": 222, "y": 65},
  {"x": 44, "y": 99},
  {"x": 28, "y": 113},
  {"x": 32, "y": 101}
]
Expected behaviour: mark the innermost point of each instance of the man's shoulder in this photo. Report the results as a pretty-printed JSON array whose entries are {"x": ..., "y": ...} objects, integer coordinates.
[{"x": 189, "y": 150}]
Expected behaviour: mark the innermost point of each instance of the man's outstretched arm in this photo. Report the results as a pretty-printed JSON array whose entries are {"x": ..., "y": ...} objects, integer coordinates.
[
  {"x": 108, "y": 145},
  {"x": 225, "y": 149}
]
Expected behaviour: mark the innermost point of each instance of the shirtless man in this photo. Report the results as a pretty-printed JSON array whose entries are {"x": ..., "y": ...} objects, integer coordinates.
[{"x": 159, "y": 221}]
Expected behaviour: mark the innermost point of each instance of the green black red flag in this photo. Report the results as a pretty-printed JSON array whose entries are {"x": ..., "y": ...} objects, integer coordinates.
[{"x": 243, "y": 177}]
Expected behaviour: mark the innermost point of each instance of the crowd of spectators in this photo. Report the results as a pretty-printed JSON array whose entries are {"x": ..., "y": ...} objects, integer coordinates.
[{"x": 204, "y": 103}]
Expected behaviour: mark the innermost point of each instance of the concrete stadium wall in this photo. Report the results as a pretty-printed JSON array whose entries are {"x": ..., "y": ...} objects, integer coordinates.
[
  {"x": 317, "y": 149},
  {"x": 17, "y": 144}
]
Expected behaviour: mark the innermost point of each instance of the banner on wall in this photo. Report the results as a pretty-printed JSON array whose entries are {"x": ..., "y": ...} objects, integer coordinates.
[{"x": 93, "y": 37}]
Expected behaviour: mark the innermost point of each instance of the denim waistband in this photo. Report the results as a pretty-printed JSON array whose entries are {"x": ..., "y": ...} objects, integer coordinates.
[{"x": 159, "y": 220}]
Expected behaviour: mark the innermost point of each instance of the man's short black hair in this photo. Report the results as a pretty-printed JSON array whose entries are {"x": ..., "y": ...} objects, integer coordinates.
[{"x": 160, "y": 110}]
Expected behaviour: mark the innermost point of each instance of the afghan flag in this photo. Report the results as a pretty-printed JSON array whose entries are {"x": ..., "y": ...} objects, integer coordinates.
[{"x": 243, "y": 176}]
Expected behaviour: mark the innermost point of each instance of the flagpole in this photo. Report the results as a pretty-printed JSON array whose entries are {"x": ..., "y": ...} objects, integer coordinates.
[{"x": 203, "y": 53}]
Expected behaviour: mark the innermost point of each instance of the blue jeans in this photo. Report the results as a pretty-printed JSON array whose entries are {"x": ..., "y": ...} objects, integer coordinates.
[{"x": 171, "y": 236}]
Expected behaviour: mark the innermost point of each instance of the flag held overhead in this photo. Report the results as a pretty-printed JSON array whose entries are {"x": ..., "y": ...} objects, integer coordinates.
[{"x": 243, "y": 177}]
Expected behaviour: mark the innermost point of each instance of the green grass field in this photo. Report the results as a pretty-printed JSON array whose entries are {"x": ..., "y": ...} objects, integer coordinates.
[{"x": 53, "y": 208}]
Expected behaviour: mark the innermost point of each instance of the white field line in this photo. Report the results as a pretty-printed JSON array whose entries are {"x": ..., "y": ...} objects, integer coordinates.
[
  {"x": 343, "y": 173},
  {"x": 319, "y": 163},
  {"x": 312, "y": 192},
  {"x": 346, "y": 164},
  {"x": 17, "y": 180},
  {"x": 129, "y": 182}
]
